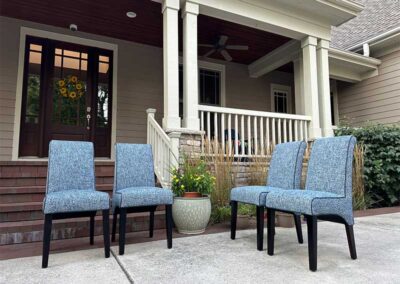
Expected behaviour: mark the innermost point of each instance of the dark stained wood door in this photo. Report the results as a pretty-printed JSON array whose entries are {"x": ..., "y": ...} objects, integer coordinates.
[{"x": 74, "y": 98}]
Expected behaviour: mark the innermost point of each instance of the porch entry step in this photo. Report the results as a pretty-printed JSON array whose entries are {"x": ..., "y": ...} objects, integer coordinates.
[
  {"x": 32, "y": 231},
  {"x": 21, "y": 194}
]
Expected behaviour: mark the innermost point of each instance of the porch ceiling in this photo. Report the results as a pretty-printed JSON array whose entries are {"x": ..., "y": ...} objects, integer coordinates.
[{"x": 102, "y": 18}]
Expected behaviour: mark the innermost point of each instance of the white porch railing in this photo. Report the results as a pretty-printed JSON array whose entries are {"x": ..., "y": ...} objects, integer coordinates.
[
  {"x": 162, "y": 147},
  {"x": 245, "y": 133}
]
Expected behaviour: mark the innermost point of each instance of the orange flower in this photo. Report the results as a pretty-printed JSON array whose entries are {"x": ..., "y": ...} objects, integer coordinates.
[
  {"x": 61, "y": 83},
  {"x": 72, "y": 95},
  {"x": 74, "y": 79}
]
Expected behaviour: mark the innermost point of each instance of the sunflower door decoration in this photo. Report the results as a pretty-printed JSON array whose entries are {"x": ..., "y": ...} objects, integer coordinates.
[{"x": 71, "y": 88}]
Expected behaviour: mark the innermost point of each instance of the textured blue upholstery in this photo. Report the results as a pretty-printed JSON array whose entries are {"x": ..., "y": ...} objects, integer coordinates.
[
  {"x": 134, "y": 183},
  {"x": 284, "y": 172},
  {"x": 142, "y": 196},
  {"x": 70, "y": 179},
  {"x": 75, "y": 201},
  {"x": 329, "y": 182}
]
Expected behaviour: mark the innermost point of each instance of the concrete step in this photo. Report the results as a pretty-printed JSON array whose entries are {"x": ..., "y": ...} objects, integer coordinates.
[{"x": 32, "y": 231}]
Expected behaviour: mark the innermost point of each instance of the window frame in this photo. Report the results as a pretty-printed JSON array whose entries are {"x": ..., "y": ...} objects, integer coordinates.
[{"x": 283, "y": 89}]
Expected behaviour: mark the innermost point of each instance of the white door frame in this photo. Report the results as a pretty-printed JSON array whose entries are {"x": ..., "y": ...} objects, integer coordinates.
[{"x": 25, "y": 31}]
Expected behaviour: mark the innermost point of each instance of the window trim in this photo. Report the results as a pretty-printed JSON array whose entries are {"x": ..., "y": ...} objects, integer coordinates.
[
  {"x": 282, "y": 88},
  {"x": 211, "y": 66}
]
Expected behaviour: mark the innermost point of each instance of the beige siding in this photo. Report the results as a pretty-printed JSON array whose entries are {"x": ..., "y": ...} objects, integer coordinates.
[
  {"x": 140, "y": 84},
  {"x": 375, "y": 100}
]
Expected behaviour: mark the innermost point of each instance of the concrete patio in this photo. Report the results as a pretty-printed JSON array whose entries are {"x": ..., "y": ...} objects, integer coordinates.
[{"x": 214, "y": 258}]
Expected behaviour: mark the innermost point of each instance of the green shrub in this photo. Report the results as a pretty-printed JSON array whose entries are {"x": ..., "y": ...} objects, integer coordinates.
[{"x": 381, "y": 162}]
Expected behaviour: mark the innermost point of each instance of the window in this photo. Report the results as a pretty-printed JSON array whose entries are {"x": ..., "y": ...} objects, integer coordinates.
[
  {"x": 209, "y": 88},
  {"x": 281, "y": 98}
]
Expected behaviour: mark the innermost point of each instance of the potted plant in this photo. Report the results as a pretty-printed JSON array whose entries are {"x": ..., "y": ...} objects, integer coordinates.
[{"x": 192, "y": 183}]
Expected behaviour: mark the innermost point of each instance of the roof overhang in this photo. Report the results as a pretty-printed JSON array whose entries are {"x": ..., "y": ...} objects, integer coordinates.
[
  {"x": 343, "y": 65},
  {"x": 351, "y": 67}
]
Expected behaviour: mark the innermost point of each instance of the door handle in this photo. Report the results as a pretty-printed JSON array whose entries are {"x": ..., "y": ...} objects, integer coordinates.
[{"x": 88, "y": 121}]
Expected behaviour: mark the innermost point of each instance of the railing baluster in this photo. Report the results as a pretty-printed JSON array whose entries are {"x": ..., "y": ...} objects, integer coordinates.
[
  {"x": 267, "y": 135},
  {"x": 236, "y": 136},
  {"x": 223, "y": 132},
  {"x": 306, "y": 131},
  {"x": 301, "y": 130},
  {"x": 208, "y": 127},
  {"x": 229, "y": 135},
  {"x": 279, "y": 131},
  {"x": 284, "y": 130},
  {"x": 216, "y": 129},
  {"x": 255, "y": 128},
  {"x": 249, "y": 135},
  {"x": 273, "y": 132},
  {"x": 202, "y": 129},
  {"x": 242, "y": 134},
  {"x": 296, "y": 137},
  {"x": 290, "y": 130},
  {"x": 262, "y": 135}
]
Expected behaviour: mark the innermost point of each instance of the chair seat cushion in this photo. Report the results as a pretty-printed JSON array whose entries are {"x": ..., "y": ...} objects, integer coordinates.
[
  {"x": 251, "y": 194},
  {"x": 75, "y": 201},
  {"x": 309, "y": 202},
  {"x": 142, "y": 196}
]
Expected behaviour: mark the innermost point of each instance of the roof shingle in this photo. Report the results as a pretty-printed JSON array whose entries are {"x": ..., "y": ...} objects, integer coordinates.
[{"x": 378, "y": 16}]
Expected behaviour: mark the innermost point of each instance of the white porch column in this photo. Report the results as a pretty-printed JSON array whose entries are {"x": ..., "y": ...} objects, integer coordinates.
[
  {"x": 190, "y": 67},
  {"x": 171, "y": 118},
  {"x": 324, "y": 88},
  {"x": 298, "y": 85},
  {"x": 310, "y": 84}
]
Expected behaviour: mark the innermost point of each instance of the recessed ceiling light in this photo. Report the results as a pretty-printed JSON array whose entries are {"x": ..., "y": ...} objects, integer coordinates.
[{"x": 131, "y": 14}]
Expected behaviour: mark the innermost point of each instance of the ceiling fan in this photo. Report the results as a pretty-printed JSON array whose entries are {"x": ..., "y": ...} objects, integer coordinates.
[{"x": 221, "y": 47}]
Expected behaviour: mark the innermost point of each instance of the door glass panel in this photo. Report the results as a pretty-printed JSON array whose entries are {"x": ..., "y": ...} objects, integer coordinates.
[
  {"x": 33, "y": 84},
  {"x": 280, "y": 101},
  {"x": 69, "y": 88},
  {"x": 103, "y": 92}
]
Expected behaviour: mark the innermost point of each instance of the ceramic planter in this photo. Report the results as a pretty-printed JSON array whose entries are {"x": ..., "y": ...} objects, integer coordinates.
[{"x": 191, "y": 215}]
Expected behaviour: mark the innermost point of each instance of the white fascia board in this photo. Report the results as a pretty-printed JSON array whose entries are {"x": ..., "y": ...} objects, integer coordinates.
[
  {"x": 351, "y": 67},
  {"x": 272, "y": 17},
  {"x": 275, "y": 59}
]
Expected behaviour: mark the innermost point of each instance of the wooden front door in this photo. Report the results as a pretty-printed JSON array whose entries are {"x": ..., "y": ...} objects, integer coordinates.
[{"x": 67, "y": 96}]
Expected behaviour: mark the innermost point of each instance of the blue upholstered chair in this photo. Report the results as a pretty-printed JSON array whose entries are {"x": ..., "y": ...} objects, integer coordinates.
[
  {"x": 284, "y": 173},
  {"x": 70, "y": 190},
  {"x": 327, "y": 194},
  {"x": 135, "y": 191}
]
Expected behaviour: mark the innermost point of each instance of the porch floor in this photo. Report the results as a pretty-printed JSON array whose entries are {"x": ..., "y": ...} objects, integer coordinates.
[{"x": 214, "y": 258}]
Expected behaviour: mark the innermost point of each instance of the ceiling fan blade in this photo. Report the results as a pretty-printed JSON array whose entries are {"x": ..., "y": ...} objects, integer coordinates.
[
  {"x": 222, "y": 40},
  {"x": 237, "y": 47},
  {"x": 210, "y": 52},
  {"x": 226, "y": 55},
  {"x": 206, "y": 45}
]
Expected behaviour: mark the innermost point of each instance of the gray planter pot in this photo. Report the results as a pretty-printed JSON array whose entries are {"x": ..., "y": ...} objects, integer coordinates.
[{"x": 191, "y": 215}]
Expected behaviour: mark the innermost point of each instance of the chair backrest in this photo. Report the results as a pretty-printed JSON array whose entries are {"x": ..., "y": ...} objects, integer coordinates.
[
  {"x": 133, "y": 166},
  {"x": 331, "y": 164},
  {"x": 286, "y": 165},
  {"x": 71, "y": 166}
]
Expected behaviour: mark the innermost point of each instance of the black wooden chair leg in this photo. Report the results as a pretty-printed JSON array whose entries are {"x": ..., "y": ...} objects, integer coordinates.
[
  {"x": 106, "y": 232},
  {"x": 297, "y": 221},
  {"x": 151, "y": 229},
  {"x": 114, "y": 225},
  {"x": 234, "y": 206},
  {"x": 122, "y": 226},
  {"x": 168, "y": 217},
  {"x": 92, "y": 229},
  {"x": 260, "y": 228},
  {"x": 312, "y": 241},
  {"x": 351, "y": 241},
  {"x": 46, "y": 239},
  {"x": 270, "y": 230}
]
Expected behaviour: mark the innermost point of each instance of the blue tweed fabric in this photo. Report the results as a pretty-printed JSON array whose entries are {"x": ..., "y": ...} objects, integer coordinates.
[
  {"x": 134, "y": 178},
  {"x": 329, "y": 182},
  {"x": 284, "y": 172},
  {"x": 70, "y": 179}
]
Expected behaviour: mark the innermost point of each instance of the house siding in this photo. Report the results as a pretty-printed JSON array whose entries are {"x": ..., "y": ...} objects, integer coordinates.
[
  {"x": 374, "y": 100},
  {"x": 139, "y": 84}
]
